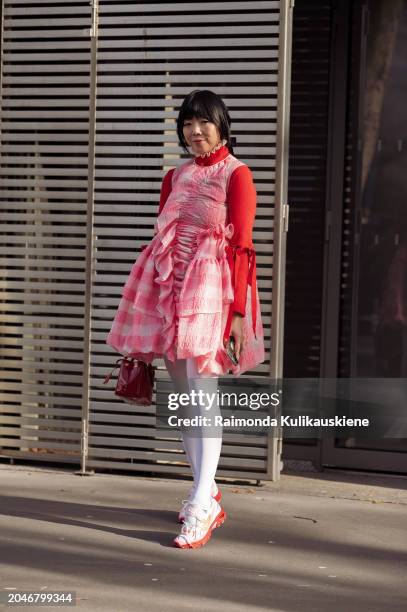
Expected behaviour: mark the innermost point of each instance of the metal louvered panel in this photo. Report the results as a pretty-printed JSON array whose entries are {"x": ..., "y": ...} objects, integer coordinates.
[
  {"x": 75, "y": 226},
  {"x": 148, "y": 60},
  {"x": 44, "y": 175},
  {"x": 309, "y": 148},
  {"x": 312, "y": 31}
]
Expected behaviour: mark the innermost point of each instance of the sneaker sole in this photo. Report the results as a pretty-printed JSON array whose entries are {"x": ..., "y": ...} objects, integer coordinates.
[
  {"x": 219, "y": 520},
  {"x": 216, "y": 497}
]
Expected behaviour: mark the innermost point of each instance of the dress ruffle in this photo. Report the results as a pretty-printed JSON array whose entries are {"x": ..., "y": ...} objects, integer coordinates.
[
  {"x": 194, "y": 314},
  {"x": 176, "y": 300}
]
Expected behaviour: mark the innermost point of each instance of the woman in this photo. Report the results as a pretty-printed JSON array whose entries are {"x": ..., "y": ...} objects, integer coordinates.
[{"x": 194, "y": 286}]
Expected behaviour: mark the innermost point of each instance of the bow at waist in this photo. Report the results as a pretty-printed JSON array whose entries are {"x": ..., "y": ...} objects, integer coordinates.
[{"x": 221, "y": 235}]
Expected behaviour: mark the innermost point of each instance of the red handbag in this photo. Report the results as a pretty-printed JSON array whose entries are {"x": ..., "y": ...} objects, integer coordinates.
[{"x": 135, "y": 381}]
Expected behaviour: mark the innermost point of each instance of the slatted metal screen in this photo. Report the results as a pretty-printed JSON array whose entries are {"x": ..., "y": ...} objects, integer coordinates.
[
  {"x": 312, "y": 31},
  {"x": 80, "y": 190},
  {"x": 44, "y": 174}
]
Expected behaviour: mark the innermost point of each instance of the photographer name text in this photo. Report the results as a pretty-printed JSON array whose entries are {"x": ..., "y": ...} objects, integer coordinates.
[{"x": 267, "y": 421}]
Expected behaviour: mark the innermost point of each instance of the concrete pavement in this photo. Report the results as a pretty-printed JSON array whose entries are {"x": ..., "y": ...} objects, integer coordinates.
[{"x": 310, "y": 542}]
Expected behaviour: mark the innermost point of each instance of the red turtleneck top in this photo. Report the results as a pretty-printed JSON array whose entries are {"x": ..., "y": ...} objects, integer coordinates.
[{"x": 241, "y": 202}]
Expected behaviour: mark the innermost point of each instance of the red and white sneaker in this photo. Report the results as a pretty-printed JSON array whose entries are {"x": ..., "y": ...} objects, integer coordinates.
[
  {"x": 215, "y": 493},
  {"x": 199, "y": 524}
]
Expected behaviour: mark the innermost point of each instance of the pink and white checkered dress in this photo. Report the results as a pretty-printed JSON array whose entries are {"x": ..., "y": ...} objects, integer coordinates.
[{"x": 176, "y": 299}]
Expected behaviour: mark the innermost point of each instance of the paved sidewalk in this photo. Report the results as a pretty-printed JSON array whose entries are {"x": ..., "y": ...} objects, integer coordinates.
[{"x": 311, "y": 542}]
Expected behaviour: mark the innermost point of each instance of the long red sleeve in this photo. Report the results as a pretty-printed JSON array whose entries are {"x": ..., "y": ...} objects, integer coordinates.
[
  {"x": 241, "y": 200},
  {"x": 165, "y": 189}
]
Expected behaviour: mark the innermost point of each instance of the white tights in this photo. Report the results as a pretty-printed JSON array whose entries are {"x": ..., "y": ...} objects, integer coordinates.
[{"x": 202, "y": 452}]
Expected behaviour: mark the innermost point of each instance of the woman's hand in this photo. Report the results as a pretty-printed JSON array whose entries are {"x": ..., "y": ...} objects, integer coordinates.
[{"x": 236, "y": 330}]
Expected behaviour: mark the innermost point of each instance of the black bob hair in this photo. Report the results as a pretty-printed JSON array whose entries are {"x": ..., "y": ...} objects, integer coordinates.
[{"x": 210, "y": 106}]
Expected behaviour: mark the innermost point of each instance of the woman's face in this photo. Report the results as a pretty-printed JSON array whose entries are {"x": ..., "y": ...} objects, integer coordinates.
[{"x": 200, "y": 134}]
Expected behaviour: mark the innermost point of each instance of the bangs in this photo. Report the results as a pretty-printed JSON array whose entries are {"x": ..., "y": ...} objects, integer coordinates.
[{"x": 199, "y": 107}]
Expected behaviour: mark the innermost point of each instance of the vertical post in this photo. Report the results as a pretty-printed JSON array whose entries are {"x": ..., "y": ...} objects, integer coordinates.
[
  {"x": 338, "y": 93},
  {"x": 89, "y": 237},
  {"x": 357, "y": 172},
  {"x": 280, "y": 222}
]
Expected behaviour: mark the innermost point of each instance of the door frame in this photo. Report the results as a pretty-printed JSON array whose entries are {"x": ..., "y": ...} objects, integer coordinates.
[{"x": 343, "y": 46}]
